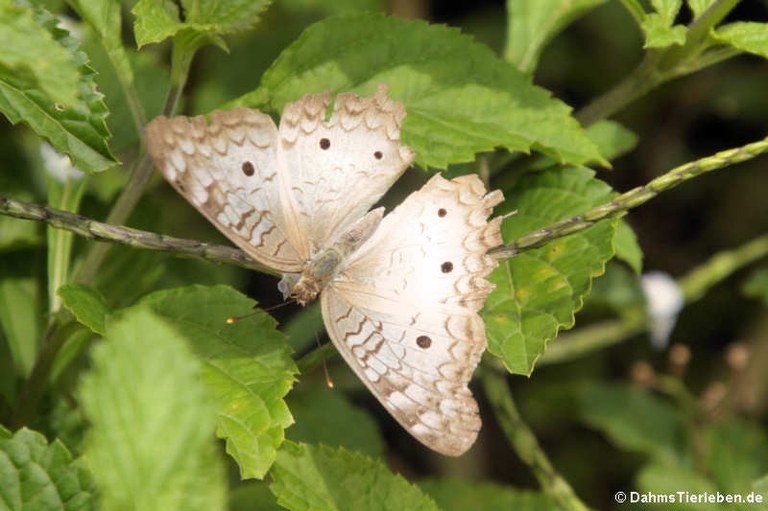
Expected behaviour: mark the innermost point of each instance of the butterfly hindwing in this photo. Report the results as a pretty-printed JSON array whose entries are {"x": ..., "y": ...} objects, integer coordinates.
[{"x": 407, "y": 322}]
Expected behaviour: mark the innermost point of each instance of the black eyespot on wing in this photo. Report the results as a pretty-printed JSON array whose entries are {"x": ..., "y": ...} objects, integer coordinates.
[
  {"x": 248, "y": 169},
  {"x": 441, "y": 212},
  {"x": 423, "y": 341},
  {"x": 378, "y": 155},
  {"x": 325, "y": 143},
  {"x": 446, "y": 267}
]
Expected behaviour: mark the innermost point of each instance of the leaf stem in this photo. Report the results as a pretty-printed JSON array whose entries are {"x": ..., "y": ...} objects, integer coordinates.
[{"x": 523, "y": 441}]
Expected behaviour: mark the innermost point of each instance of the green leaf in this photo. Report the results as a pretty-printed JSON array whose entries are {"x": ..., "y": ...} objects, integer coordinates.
[
  {"x": 539, "y": 291},
  {"x": 627, "y": 247},
  {"x": 105, "y": 19},
  {"x": 658, "y": 28},
  {"x": 37, "y": 475},
  {"x": 247, "y": 368},
  {"x": 634, "y": 419},
  {"x": 670, "y": 478},
  {"x": 611, "y": 138},
  {"x": 20, "y": 310},
  {"x": 326, "y": 416},
  {"x": 750, "y": 37},
  {"x": 461, "y": 98},
  {"x": 531, "y": 24},
  {"x": 86, "y": 304},
  {"x": 330, "y": 7},
  {"x": 757, "y": 286},
  {"x": 252, "y": 496},
  {"x": 76, "y": 127},
  {"x": 458, "y": 495},
  {"x": 29, "y": 50},
  {"x": 156, "y": 20},
  {"x": 699, "y": 6},
  {"x": 150, "y": 445},
  {"x": 319, "y": 477},
  {"x": 737, "y": 454}
]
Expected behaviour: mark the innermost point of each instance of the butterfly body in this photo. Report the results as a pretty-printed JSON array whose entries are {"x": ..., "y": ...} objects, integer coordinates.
[{"x": 400, "y": 294}]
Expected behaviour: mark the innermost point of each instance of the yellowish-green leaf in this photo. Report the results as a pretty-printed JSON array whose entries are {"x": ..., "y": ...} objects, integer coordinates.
[
  {"x": 750, "y": 37},
  {"x": 539, "y": 291},
  {"x": 308, "y": 477},
  {"x": 461, "y": 98},
  {"x": 247, "y": 368},
  {"x": 151, "y": 444}
]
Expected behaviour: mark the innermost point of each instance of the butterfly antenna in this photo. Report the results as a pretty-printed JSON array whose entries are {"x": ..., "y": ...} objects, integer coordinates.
[
  {"x": 234, "y": 319},
  {"x": 328, "y": 379}
]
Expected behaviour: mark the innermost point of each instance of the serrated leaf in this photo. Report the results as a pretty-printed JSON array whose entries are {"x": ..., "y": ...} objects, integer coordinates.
[
  {"x": 247, "y": 368},
  {"x": 30, "y": 50},
  {"x": 308, "y": 477},
  {"x": 611, "y": 138},
  {"x": 459, "y": 495},
  {"x": 751, "y": 37},
  {"x": 627, "y": 247},
  {"x": 104, "y": 17},
  {"x": 699, "y": 6},
  {"x": 531, "y": 24},
  {"x": 150, "y": 445},
  {"x": 539, "y": 291},
  {"x": 461, "y": 98},
  {"x": 37, "y": 475},
  {"x": 659, "y": 33},
  {"x": 86, "y": 304},
  {"x": 156, "y": 20},
  {"x": 325, "y": 416},
  {"x": 75, "y": 127},
  {"x": 757, "y": 286},
  {"x": 634, "y": 419}
]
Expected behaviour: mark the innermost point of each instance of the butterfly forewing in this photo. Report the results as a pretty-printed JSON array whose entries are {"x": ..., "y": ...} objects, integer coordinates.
[{"x": 227, "y": 168}]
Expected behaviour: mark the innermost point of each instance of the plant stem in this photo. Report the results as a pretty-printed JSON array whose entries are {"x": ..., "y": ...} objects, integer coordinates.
[
  {"x": 632, "y": 199},
  {"x": 59, "y": 330},
  {"x": 100, "y": 231},
  {"x": 523, "y": 441}
]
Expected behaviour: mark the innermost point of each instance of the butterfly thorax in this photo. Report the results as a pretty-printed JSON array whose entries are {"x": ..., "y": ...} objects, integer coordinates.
[{"x": 320, "y": 269}]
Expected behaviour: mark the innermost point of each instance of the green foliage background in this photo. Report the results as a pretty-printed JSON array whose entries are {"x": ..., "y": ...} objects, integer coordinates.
[{"x": 118, "y": 371}]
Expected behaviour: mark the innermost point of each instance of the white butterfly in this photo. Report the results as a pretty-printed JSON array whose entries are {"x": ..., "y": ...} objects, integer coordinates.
[{"x": 400, "y": 294}]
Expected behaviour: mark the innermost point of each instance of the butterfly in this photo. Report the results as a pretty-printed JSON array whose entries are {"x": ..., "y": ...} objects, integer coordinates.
[{"x": 400, "y": 294}]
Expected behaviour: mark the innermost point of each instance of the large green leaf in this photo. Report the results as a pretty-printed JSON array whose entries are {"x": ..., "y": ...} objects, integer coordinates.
[
  {"x": 750, "y": 37},
  {"x": 247, "y": 368},
  {"x": 538, "y": 291},
  {"x": 458, "y": 495},
  {"x": 36, "y": 475},
  {"x": 461, "y": 98},
  {"x": 151, "y": 443},
  {"x": 308, "y": 477},
  {"x": 157, "y": 20},
  {"x": 635, "y": 419},
  {"x": 665, "y": 480},
  {"x": 532, "y": 23},
  {"x": 72, "y": 121},
  {"x": 737, "y": 454}
]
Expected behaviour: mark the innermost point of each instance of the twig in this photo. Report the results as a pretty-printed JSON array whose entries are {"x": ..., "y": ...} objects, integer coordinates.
[
  {"x": 631, "y": 199},
  {"x": 523, "y": 441}
]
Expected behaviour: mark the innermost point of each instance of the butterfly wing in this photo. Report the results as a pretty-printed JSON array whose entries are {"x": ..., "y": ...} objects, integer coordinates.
[
  {"x": 337, "y": 169},
  {"x": 227, "y": 168},
  {"x": 403, "y": 309}
]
